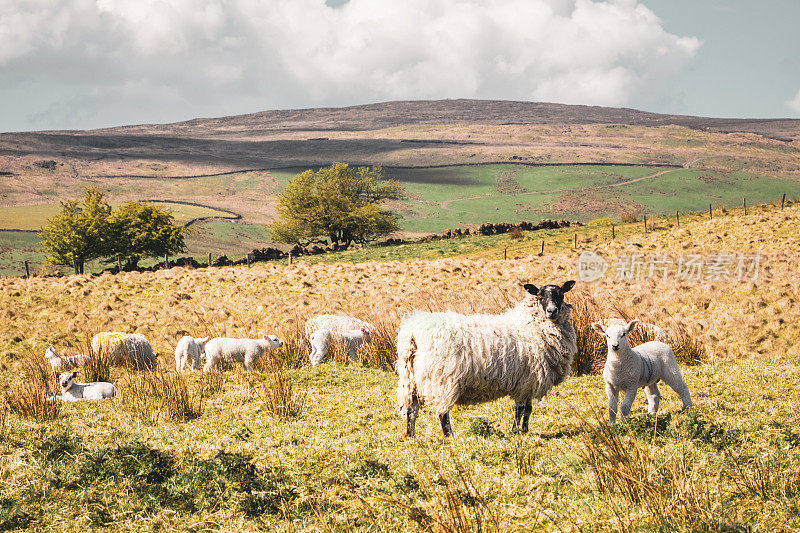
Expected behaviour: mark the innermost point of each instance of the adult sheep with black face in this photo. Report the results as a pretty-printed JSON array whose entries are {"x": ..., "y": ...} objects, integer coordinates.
[{"x": 447, "y": 358}]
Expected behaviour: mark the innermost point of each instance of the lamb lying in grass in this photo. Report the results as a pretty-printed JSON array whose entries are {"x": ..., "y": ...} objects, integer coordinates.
[
  {"x": 73, "y": 392},
  {"x": 189, "y": 348},
  {"x": 245, "y": 351},
  {"x": 627, "y": 369},
  {"x": 321, "y": 339},
  {"x": 58, "y": 362}
]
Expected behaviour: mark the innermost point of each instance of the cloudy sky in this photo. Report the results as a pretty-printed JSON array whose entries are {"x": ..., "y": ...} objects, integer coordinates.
[{"x": 76, "y": 64}]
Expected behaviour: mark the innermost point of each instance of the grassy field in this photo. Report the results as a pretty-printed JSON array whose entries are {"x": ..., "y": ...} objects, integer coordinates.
[{"x": 240, "y": 451}]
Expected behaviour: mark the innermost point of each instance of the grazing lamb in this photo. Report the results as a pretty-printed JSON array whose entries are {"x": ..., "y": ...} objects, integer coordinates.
[
  {"x": 627, "y": 369},
  {"x": 448, "y": 358},
  {"x": 336, "y": 324},
  {"x": 58, "y": 362},
  {"x": 189, "y": 348},
  {"x": 245, "y": 351},
  {"x": 131, "y": 349},
  {"x": 321, "y": 339},
  {"x": 73, "y": 392}
]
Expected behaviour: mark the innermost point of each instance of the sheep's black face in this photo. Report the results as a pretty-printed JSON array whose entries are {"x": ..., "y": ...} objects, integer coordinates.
[{"x": 551, "y": 298}]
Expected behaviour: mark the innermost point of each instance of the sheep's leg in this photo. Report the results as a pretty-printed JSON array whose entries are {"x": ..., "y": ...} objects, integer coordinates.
[
  {"x": 627, "y": 402},
  {"x": 352, "y": 352},
  {"x": 411, "y": 416},
  {"x": 653, "y": 398},
  {"x": 526, "y": 416},
  {"x": 444, "y": 419},
  {"x": 676, "y": 382},
  {"x": 209, "y": 364},
  {"x": 519, "y": 411},
  {"x": 613, "y": 402}
]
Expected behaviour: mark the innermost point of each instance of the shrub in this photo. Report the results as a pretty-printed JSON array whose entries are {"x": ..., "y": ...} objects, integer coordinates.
[
  {"x": 34, "y": 396},
  {"x": 628, "y": 218},
  {"x": 275, "y": 388},
  {"x": 515, "y": 234},
  {"x": 150, "y": 395},
  {"x": 602, "y": 221},
  {"x": 480, "y": 427}
]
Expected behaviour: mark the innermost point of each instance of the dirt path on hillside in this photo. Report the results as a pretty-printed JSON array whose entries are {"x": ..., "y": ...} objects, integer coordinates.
[{"x": 446, "y": 203}]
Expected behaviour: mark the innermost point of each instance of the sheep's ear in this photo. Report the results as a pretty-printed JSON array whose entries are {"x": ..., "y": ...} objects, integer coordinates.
[
  {"x": 55, "y": 374},
  {"x": 75, "y": 374},
  {"x": 203, "y": 339},
  {"x": 531, "y": 288},
  {"x": 598, "y": 327},
  {"x": 630, "y": 325},
  {"x": 568, "y": 285}
]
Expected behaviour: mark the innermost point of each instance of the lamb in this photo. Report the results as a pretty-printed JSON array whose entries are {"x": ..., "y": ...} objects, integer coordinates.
[
  {"x": 73, "y": 392},
  {"x": 336, "y": 324},
  {"x": 321, "y": 339},
  {"x": 131, "y": 349},
  {"x": 246, "y": 351},
  {"x": 448, "y": 358},
  {"x": 627, "y": 369},
  {"x": 58, "y": 362},
  {"x": 189, "y": 348}
]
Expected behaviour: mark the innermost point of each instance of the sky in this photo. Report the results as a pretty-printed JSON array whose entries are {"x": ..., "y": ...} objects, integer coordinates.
[{"x": 81, "y": 64}]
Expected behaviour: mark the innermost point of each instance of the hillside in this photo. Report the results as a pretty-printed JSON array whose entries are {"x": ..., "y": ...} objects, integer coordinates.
[{"x": 229, "y": 456}]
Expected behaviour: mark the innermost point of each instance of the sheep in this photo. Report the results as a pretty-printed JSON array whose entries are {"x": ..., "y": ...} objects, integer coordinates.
[
  {"x": 246, "y": 351},
  {"x": 189, "y": 348},
  {"x": 58, "y": 362},
  {"x": 627, "y": 369},
  {"x": 449, "y": 358},
  {"x": 73, "y": 392},
  {"x": 336, "y": 324},
  {"x": 321, "y": 339},
  {"x": 131, "y": 349}
]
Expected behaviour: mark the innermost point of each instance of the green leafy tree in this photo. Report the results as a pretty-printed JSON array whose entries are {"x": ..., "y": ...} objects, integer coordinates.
[
  {"x": 141, "y": 229},
  {"x": 79, "y": 232},
  {"x": 340, "y": 202}
]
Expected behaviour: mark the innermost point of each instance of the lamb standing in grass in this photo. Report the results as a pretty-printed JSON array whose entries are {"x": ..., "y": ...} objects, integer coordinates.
[
  {"x": 189, "y": 348},
  {"x": 627, "y": 369},
  {"x": 73, "y": 392},
  {"x": 59, "y": 362},
  {"x": 448, "y": 358},
  {"x": 245, "y": 351},
  {"x": 336, "y": 324},
  {"x": 321, "y": 339},
  {"x": 131, "y": 349}
]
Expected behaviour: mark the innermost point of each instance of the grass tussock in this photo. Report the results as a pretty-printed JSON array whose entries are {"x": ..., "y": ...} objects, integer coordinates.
[
  {"x": 35, "y": 395},
  {"x": 158, "y": 394},
  {"x": 590, "y": 357},
  {"x": 274, "y": 387}
]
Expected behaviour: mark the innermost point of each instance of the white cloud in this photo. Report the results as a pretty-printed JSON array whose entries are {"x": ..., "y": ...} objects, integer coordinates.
[
  {"x": 219, "y": 57},
  {"x": 794, "y": 103}
]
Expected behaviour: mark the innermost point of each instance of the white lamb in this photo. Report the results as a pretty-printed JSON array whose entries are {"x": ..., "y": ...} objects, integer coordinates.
[
  {"x": 73, "y": 392},
  {"x": 129, "y": 349},
  {"x": 448, "y": 358},
  {"x": 627, "y": 369},
  {"x": 245, "y": 351},
  {"x": 336, "y": 324},
  {"x": 189, "y": 348},
  {"x": 60, "y": 362},
  {"x": 321, "y": 339}
]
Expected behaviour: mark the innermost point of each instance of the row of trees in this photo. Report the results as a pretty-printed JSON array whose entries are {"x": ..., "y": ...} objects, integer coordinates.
[{"x": 89, "y": 229}]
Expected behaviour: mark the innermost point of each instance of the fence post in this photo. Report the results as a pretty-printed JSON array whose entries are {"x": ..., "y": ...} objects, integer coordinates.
[
  {"x": 27, "y": 270},
  {"x": 119, "y": 263},
  {"x": 744, "y": 205},
  {"x": 76, "y": 266},
  {"x": 166, "y": 261},
  {"x": 783, "y": 200},
  {"x": 505, "y": 254},
  {"x": 290, "y": 258},
  {"x": 645, "y": 223},
  {"x": 575, "y": 242},
  {"x": 613, "y": 232},
  {"x": 710, "y": 214},
  {"x": 248, "y": 260},
  {"x": 677, "y": 218},
  {"x": 542, "y": 252},
  {"x": 209, "y": 258}
]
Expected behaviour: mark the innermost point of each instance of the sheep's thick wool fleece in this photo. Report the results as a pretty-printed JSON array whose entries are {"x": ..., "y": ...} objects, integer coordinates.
[
  {"x": 123, "y": 348},
  {"x": 448, "y": 358}
]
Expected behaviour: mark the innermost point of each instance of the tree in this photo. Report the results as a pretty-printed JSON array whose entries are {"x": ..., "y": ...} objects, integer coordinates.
[
  {"x": 141, "y": 229},
  {"x": 339, "y": 202},
  {"x": 79, "y": 232}
]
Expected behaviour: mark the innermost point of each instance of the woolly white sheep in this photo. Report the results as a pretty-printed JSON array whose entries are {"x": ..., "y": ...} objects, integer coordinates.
[
  {"x": 448, "y": 358},
  {"x": 627, "y": 369},
  {"x": 73, "y": 392},
  {"x": 336, "y": 324},
  {"x": 131, "y": 349},
  {"x": 321, "y": 339},
  {"x": 189, "y": 349},
  {"x": 245, "y": 351},
  {"x": 59, "y": 362}
]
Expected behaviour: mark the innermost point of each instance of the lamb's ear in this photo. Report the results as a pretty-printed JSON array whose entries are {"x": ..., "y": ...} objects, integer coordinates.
[
  {"x": 56, "y": 374},
  {"x": 630, "y": 325},
  {"x": 203, "y": 339},
  {"x": 531, "y": 288},
  {"x": 598, "y": 327},
  {"x": 75, "y": 374},
  {"x": 568, "y": 285}
]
